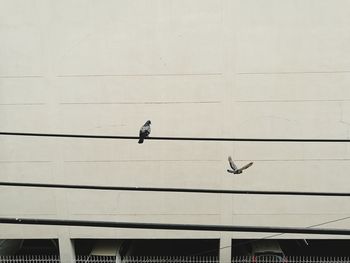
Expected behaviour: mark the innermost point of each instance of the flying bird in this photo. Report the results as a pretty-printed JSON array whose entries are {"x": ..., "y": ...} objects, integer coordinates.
[
  {"x": 145, "y": 131},
  {"x": 235, "y": 170}
]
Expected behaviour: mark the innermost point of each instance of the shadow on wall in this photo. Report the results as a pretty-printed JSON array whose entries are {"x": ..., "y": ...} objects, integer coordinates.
[
  {"x": 29, "y": 247},
  {"x": 293, "y": 247},
  {"x": 147, "y": 247}
]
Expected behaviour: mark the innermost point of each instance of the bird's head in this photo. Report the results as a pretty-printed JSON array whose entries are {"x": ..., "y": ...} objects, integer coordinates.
[{"x": 148, "y": 122}]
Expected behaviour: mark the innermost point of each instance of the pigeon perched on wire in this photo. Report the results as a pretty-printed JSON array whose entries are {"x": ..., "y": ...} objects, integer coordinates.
[
  {"x": 145, "y": 131},
  {"x": 235, "y": 170}
]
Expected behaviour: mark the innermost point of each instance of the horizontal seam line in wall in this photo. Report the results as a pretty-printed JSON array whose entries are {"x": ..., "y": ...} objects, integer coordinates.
[
  {"x": 287, "y": 214},
  {"x": 102, "y": 161},
  {"x": 150, "y": 214},
  {"x": 294, "y": 72},
  {"x": 293, "y": 160},
  {"x": 4, "y": 161},
  {"x": 24, "y": 76},
  {"x": 22, "y": 104},
  {"x": 133, "y": 103},
  {"x": 21, "y": 213},
  {"x": 138, "y": 75},
  {"x": 259, "y": 101}
]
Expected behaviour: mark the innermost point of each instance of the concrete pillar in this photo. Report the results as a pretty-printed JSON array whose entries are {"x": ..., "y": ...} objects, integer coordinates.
[
  {"x": 225, "y": 248},
  {"x": 66, "y": 246}
]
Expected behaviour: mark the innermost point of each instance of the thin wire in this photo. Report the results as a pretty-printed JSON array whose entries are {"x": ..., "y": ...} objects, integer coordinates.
[
  {"x": 174, "y": 138},
  {"x": 263, "y": 238},
  {"x": 175, "y": 190},
  {"x": 274, "y": 235}
]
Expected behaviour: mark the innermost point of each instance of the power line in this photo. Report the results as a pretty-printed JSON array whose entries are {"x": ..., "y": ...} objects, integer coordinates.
[
  {"x": 237, "y": 244},
  {"x": 161, "y": 226},
  {"x": 87, "y": 136},
  {"x": 176, "y": 190}
]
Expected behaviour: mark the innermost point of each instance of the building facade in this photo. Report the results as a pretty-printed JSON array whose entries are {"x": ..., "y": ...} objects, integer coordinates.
[{"x": 198, "y": 68}]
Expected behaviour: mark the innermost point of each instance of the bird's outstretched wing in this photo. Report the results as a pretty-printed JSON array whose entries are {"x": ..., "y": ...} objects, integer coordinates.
[
  {"x": 246, "y": 166},
  {"x": 232, "y": 164}
]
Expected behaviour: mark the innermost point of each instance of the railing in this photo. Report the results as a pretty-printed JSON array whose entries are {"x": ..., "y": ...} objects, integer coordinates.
[
  {"x": 30, "y": 259},
  {"x": 290, "y": 259},
  {"x": 96, "y": 259},
  {"x": 109, "y": 259},
  {"x": 147, "y": 259},
  {"x": 170, "y": 259}
]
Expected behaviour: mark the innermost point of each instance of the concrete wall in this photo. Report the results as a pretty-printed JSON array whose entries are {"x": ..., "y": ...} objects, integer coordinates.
[{"x": 209, "y": 68}]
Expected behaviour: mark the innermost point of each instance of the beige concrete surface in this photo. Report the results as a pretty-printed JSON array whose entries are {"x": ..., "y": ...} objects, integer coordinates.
[{"x": 208, "y": 68}]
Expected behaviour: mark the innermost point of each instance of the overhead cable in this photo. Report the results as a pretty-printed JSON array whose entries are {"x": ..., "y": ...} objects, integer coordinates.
[
  {"x": 178, "y": 190},
  {"x": 116, "y": 137},
  {"x": 161, "y": 226}
]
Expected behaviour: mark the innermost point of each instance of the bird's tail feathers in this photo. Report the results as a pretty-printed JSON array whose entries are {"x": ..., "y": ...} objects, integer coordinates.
[{"x": 141, "y": 140}]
